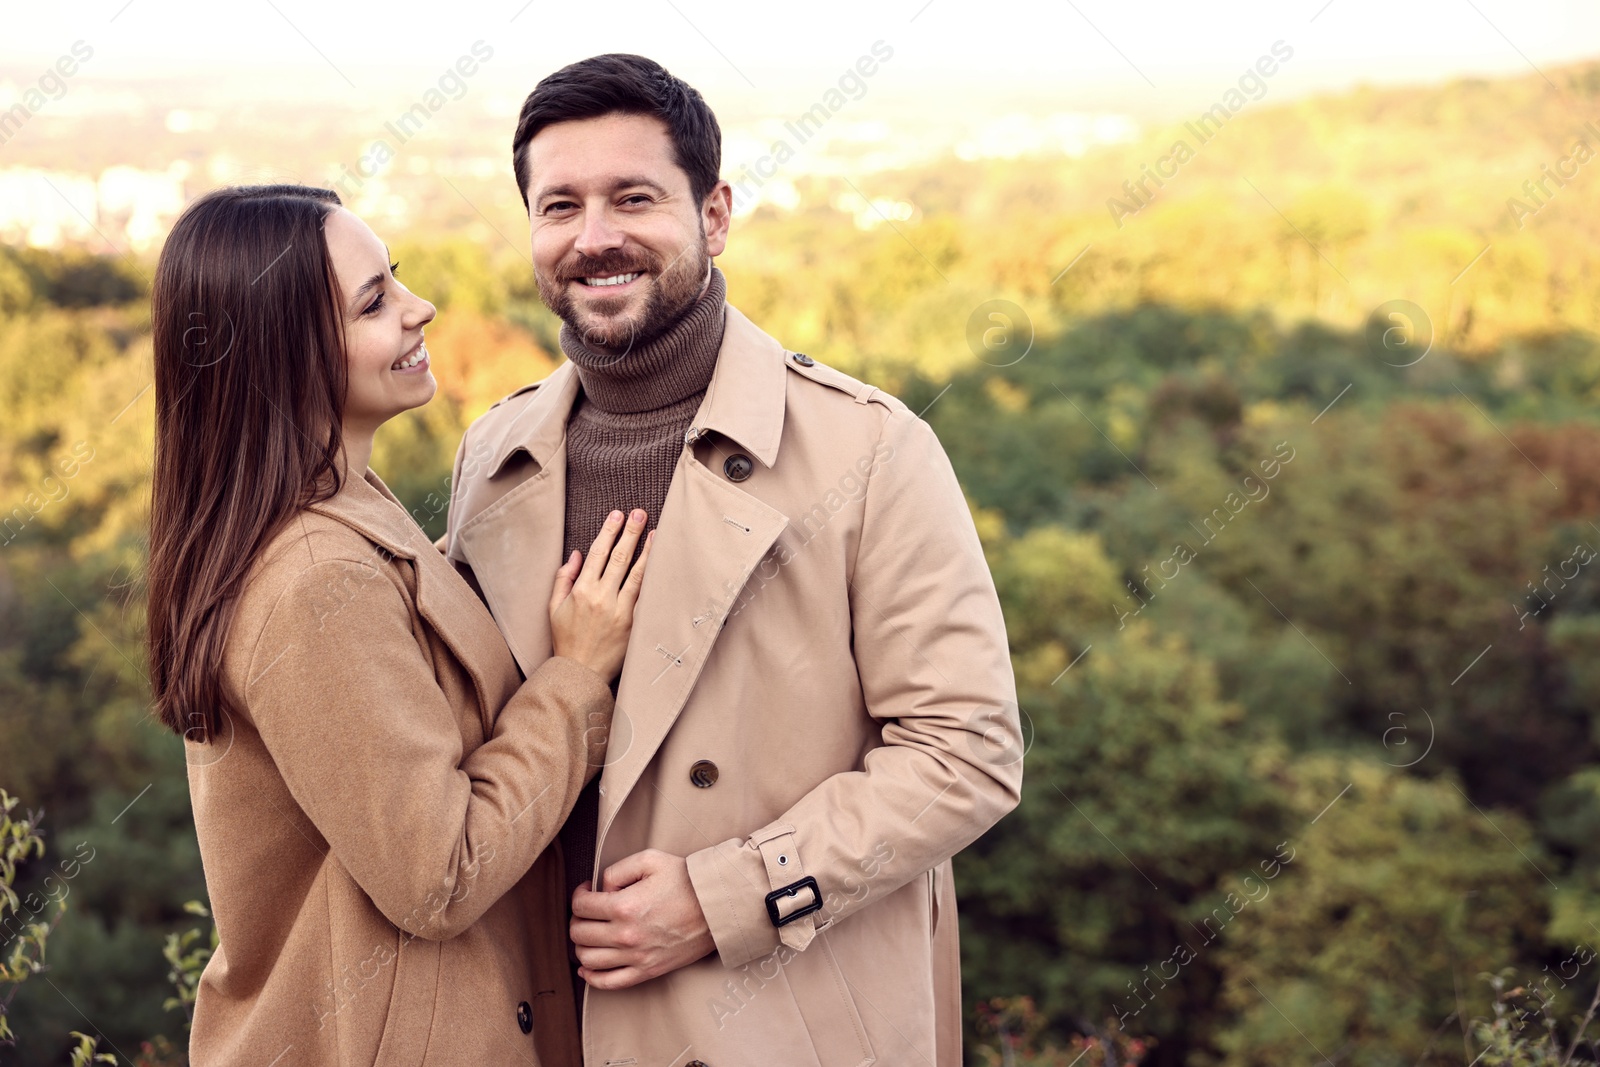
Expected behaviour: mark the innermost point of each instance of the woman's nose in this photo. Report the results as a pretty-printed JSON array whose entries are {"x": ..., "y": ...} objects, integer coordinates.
[{"x": 422, "y": 312}]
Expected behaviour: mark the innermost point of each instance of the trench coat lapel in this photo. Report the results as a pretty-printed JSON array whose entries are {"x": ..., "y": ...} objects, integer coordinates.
[{"x": 711, "y": 537}]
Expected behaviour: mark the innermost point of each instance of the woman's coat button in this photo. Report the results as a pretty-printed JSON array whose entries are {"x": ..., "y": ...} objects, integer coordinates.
[
  {"x": 525, "y": 1017},
  {"x": 703, "y": 774},
  {"x": 738, "y": 467}
]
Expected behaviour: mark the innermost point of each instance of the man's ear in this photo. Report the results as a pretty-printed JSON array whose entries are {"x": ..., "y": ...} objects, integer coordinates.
[{"x": 715, "y": 215}]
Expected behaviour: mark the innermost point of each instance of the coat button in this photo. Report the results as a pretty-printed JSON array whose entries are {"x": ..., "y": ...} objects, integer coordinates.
[
  {"x": 695, "y": 1063},
  {"x": 525, "y": 1017},
  {"x": 738, "y": 467},
  {"x": 804, "y": 360},
  {"x": 703, "y": 774}
]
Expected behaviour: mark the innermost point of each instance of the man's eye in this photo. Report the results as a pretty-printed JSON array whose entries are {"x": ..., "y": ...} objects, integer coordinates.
[{"x": 559, "y": 205}]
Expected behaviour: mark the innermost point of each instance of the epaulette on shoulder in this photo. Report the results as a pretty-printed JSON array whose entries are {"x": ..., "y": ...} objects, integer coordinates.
[
  {"x": 861, "y": 392},
  {"x": 514, "y": 394}
]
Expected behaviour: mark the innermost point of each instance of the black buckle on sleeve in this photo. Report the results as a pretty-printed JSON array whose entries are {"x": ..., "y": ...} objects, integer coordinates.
[{"x": 791, "y": 890}]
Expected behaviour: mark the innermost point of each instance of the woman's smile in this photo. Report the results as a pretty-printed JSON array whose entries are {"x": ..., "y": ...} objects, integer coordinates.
[{"x": 415, "y": 361}]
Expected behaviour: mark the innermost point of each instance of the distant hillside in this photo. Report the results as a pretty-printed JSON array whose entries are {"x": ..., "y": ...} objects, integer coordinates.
[
  {"x": 1320, "y": 208},
  {"x": 1315, "y": 209}
]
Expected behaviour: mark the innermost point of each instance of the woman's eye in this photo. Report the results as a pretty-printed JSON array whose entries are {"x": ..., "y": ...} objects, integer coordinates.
[
  {"x": 374, "y": 307},
  {"x": 394, "y": 268}
]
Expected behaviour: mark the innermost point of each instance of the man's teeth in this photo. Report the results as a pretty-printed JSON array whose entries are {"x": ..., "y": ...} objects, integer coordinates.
[
  {"x": 615, "y": 279},
  {"x": 411, "y": 361}
]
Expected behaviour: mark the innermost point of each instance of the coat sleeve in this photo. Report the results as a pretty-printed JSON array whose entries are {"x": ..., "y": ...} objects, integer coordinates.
[
  {"x": 935, "y": 669},
  {"x": 371, "y": 749}
]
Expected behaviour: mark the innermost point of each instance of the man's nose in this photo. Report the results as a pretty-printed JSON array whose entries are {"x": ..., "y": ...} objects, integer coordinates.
[{"x": 600, "y": 234}]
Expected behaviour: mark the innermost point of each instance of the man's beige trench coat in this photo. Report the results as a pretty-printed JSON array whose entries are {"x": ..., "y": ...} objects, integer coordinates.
[
  {"x": 818, "y": 686},
  {"x": 373, "y": 824}
]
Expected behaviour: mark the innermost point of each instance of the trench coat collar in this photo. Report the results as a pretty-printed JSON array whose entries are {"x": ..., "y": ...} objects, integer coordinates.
[
  {"x": 366, "y": 505},
  {"x": 744, "y": 402}
]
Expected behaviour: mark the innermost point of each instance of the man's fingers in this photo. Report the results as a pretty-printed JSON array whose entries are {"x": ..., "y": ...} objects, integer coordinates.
[
  {"x": 566, "y": 575},
  {"x": 601, "y": 907},
  {"x": 604, "y": 959},
  {"x": 629, "y": 594},
  {"x": 600, "y": 551},
  {"x": 621, "y": 978},
  {"x": 629, "y": 869},
  {"x": 617, "y": 564},
  {"x": 593, "y": 933}
]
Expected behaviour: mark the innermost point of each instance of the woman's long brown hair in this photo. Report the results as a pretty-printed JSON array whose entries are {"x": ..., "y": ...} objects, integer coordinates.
[{"x": 250, "y": 384}]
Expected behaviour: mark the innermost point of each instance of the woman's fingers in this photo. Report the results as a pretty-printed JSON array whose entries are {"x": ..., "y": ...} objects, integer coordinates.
[
  {"x": 566, "y": 575},
  {"x": 629, "y": 594},
  {"x": 595, "y": 564},
  {"x": 617, "y": 564}
]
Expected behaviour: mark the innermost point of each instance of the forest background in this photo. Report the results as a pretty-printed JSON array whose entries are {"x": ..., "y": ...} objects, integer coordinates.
[{"x": 1287, "y": 464}]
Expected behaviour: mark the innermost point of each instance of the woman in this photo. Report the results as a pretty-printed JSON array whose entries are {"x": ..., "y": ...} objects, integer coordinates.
[{"x": 374, "y": 785}]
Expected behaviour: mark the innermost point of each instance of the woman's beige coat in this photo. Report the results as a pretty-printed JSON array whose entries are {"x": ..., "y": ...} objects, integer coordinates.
[
  {"x": 818, "y": 685},
  {"x": 374, "y": 823}
]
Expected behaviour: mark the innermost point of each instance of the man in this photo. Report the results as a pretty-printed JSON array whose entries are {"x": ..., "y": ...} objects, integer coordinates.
[{"x": 817, "y": 708}]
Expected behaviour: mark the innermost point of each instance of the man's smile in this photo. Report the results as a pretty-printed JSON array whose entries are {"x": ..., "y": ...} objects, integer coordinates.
[{"x": 611, "y": 281}]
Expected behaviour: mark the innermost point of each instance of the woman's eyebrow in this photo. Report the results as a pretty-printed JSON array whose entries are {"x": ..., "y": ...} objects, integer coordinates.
[
  {"x": 366, "y": 287},
  {"x": 370, "y": 284}
]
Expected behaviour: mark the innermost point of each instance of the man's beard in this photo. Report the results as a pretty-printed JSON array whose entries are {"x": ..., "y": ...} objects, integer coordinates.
[{"x": 671, "y": 292}]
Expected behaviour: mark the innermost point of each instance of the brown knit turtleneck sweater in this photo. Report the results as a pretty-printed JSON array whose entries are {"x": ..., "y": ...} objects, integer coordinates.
[
  {"x": 623, "y": 442},
  {"x": 626, "y": 430}
]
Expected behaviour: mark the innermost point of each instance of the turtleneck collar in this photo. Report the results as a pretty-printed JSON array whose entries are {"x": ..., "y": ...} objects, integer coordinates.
[{"x": 672, "y": 367}]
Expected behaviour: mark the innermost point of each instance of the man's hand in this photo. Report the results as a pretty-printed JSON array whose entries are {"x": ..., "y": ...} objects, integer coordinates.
[{"x": 649, "y": 922}]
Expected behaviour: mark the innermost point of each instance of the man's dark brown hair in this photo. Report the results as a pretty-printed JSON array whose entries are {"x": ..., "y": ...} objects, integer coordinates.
[{"x": 630, "y": 85}]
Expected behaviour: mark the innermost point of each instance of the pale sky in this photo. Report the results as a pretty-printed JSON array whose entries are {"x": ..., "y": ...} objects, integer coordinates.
[{"x": 1145, "y": 57}]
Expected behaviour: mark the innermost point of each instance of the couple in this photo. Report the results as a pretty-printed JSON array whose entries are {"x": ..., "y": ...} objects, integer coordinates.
[{"x": 556, "y": 790}]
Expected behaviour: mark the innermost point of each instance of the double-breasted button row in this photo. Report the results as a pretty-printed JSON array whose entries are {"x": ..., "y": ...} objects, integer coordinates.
[{"x": 704, "y": 774}]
